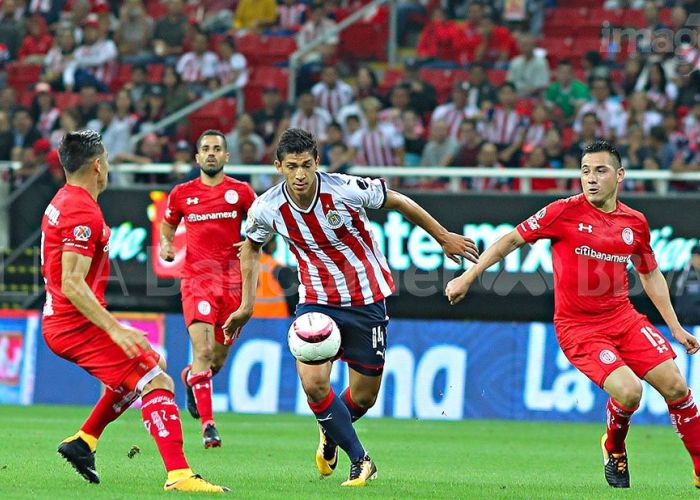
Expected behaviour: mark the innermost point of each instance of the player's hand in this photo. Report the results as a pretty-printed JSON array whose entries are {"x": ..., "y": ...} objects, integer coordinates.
[
  {"x": 239, "y": 247},
  {"x": 457, "y": 289},
  {"x": 167, "y": 251},
  {"x": 457, "y": 246},
  {"x": 234, "y": 323},
  {"x": 690, "y": 343},
  {"x": 132, "y": 341}
]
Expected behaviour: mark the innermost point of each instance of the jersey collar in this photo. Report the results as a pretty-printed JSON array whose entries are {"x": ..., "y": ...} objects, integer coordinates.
[{"x": 313, "y": 203}]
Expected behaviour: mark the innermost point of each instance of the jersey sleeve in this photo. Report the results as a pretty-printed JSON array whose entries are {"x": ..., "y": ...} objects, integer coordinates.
[
  {"x": 365, "y": 191},
  {"x": 542, "y": 225},
  {"x": 643, "y": 258},
  {"x": 173, "y": 212},
  {"x": 82, "y": 233},
  {"x": 258, "y": 225},
  {"x": 249, "y": 199}
]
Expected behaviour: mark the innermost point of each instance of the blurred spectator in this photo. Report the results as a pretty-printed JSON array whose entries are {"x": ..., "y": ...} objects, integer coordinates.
[
  {"x": 633, "y": 154},
  {"x": 553, "y": 148},
  {"x": 566, "y": 93},
  {"x": 273, "y": 117},
  {"x": 588, "y": 133},
  {"x": 44, "y": 110},
  {"x": 537, "y": 128},
  {"x": 233, "y": 66},
  {"x": 686, "y": 287},
  {"x": 248, "y": 153},
  {"x": 630, "y": 75},
  {"x": 69, "y": 121},
  {"x": 11, "y": 26},
  {"x": 58, "y": 58},
  {"x": 528, "y": 71},
  {"x": 317, "y": 25},
  {"x": 6, "y": 138},
  {"x": 652, "y": 31},
  {"x": 115, "y": 133},
  {"x": 455, "y": 111},
  {"x": 255, "y": 14},
  {"x": 593, "y": 67},
  {"x": 691, "y": 123},
  {"x": 338, "y": 161},
  {"x": 334, "y": 134},
  {"x": 493, "y": 45},
  {"x": 661, "y": 92},
  {"x": 123, "y": 110},
  {"x": 610, "y": 113},
  {"x": 377, "y": 143},
  {"x": 331, "y": 93},
  {"x": 414, "y": 142},
  {"x": 24, "y": 132},
  {"x": 53, "y": 162},
  {"x": 400, "y": 101},
  {"x": 154, "y": 112},
  {"x": 133, "y": 36},
  {"x": 94, "y": 62},
  {"x": 151, "y": 149},
  {"x": 37, "y": 43},
  {"x": 538, "y": 159},
  {"x": 175, "y": 93},
  {"x": 310, "y": 117},
  {"x": 423, "y": 95},
  {"x": 475, "y": 13},
  {"x": 640, "y": 114},
  {"x": 688, "y": 83},
  {"x": 662, "y": 152},
  {"x": 406, "y": 12},
  {"x": 138, "y": 86},
  {"x": 441, "y": 148},
  {"x": 440, "y": 39},
  {"x": 199, "y": 65},
  {"x": 169, "y": 32},
  {"x": 33, "y": 159},
  {"x": 366, "y": 83},
  {"x": 469, "y": 145},
  {"x": 8, "y": 100},
  {"x": 183, "y": 167},
  {"x": 488, "y": 158},
  {"x": 48, "y": 9},
  {"x": 291, "y": 14},
  {"x": 245, "y": 132},
  {"x": 505, "y": 127},
  {"x": 87, "y": 104},
  {"x": 481, "y": 94}
]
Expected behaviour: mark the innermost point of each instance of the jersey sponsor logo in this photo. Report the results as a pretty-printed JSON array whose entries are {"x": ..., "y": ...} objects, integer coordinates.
[
  {"x": 587, "y": 251},
  {"x": 532, "y": 222},
  {"x": 541, "y": 213},
  {"x": 607, "y": 357},
  {"x": 335, "y": 220},
  {"x": 212, "y": 216},
  {"x": 627, "y": 236},
  {"x": 82, "y": 233},
  {"x": 585, "y": 227},
  {"x": 192, "y": 201},
  {"x": 204, "y": 307},
  {"x": 362, "y": 184},
  {"x": 52, "y": 214},
  {"x": 231, "y": 196}
]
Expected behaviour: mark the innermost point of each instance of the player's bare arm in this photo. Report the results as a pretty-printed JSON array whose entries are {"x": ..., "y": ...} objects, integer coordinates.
[
  {"x": 457, "y": 288},
  {"x": 75, "y": 268},
  {"x": 656, "y": 288},
  {"x": 167, "y": 235},
  {"x": 250, "y": 266},
  {"x": 454, "y": 245}
]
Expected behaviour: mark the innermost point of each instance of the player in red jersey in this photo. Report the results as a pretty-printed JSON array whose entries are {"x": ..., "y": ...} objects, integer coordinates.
[
  {"x": 212, "y": 207},
  {"x": 594, "y": 237},
  {"x": 77, "y": 326}
]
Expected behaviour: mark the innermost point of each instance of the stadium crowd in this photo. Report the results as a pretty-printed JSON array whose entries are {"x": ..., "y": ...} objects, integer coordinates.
[{"x": 486, "y": 85}]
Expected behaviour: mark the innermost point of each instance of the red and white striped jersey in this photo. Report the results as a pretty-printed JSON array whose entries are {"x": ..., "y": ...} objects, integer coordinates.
[
  {"x": 504, "y": 126},
  {"x": 290, "y": 16},
  {"x": 611, "y": 116},
  {"x": 377, "y": 146},
  {"x": 194, "y": 68},
  {"x": 317, "y": 123},
  {"x": 339, "y": 259},
  {"x": 451, "y": 115},
  {"x": 99, "y": 59},
  {"x": 332, "y": 99},
  {"x": 534, "y": 137}
]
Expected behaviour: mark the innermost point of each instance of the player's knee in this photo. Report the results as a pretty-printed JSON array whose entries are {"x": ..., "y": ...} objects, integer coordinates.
[
  {"x": 629, "y": 394},
  {"x": 316, "y": 388},
  {"x": 161, "y": 362},
  {"x": 676, "y": 389},
  {"x": 217, "y": 364},
  {"x": 161, "y": 381},
  {"x": 364, "y": 399}
]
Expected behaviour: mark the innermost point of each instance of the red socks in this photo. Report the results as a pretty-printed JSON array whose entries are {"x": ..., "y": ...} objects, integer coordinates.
[
  {"x": 107, "y": 410},
  {"x": 202, "y": 389},
  {"x": 686, "y": 421},
  {"x": 618, "y": 425},
  {"x": 162, "y": 420}
]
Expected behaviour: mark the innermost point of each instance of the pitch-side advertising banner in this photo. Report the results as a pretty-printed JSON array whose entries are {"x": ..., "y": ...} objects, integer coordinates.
[
  {"x": 18, "y": 336},
  {"x": 434, "y": 370}
]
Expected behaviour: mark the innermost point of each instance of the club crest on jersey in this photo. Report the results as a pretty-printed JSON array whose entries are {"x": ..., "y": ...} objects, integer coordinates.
[
  {"x": 335, "y": 220},
  {"x": 585, "y": 227},
  {"x": 82, "y": 233},
  {"x": 607, "y": 357},
  {"x": 627, "y": 236},
  {"x": 231, "y": 196},
  {"x": 192, "y": 201},
  {"x": 204, "y": 307}
]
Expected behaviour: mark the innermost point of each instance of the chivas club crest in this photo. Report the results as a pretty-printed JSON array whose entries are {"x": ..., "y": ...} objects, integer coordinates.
[{"x": 335, "y": 220}]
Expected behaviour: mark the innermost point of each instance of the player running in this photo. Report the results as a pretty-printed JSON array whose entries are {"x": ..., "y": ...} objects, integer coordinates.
[
  {"x": 594, "y": 237},
  {"x": 342, "y": 274},
  {"x": 212, "y": 206},
  {"x": 77, "y": 327}
]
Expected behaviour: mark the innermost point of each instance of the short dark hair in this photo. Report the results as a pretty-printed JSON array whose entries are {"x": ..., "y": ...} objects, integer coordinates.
[
  {"x": 214, "y": 133},
  {"x": 603, "y": 146},
  {"x": 508, "y": 84},
  {"x": 296, "y": 140},
  {"x": 78, "y": 148}
]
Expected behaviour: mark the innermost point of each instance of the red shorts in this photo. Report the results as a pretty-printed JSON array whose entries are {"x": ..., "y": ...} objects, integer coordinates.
[
  {"x": 93, "y": 349},
  {"x": 598, "y": 350},
  {"x": 209, "y": 305}
]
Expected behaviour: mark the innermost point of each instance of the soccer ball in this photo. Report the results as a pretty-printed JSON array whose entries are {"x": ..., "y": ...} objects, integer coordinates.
[{"x": 314, "y": 337}]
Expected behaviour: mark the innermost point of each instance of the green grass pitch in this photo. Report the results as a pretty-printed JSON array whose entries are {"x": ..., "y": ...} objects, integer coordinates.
[{"x": 273, "y": 457}]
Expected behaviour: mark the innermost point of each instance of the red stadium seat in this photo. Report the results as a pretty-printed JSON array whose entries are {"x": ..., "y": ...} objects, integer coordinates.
[
  {"x": 496, "y": 76},
  {"x": 364, "y": 41},
  {"x": 66, "y": 99},
  {"x": 442, "y": 79},
  {"x": 249, "y": 46},
  {"x": 274, "y": 49},
  {"x": 121, "y": 77},
  {"x": 23, "y": 76},
  {"x": 391, "y": 76},
  {"x": 155, "y": 73},
  {"x": 634, "y": 18},
  {"x": 219, "y": 114},
  {"x": 264, "y": 76}
]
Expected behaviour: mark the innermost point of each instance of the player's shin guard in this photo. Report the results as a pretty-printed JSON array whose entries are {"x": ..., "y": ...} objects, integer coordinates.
[
  {"x": 162, "y": 420},
  {"x": 202, "y": 388},
  {"x": 335, "y": 419},
  {"x": 618, "y": 425},
  {"x": 686, "y": 420},
  {"x": 108, "y": 408},
  {"x": 356, "y": 411}
]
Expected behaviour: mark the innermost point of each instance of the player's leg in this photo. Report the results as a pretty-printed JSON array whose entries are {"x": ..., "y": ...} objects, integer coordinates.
[
  {"x": 200, "y": 373},
  {"x": 685, "y": 417}
]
